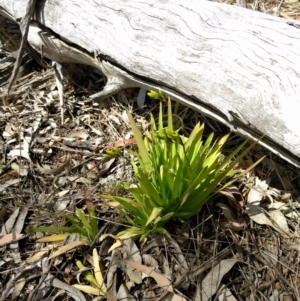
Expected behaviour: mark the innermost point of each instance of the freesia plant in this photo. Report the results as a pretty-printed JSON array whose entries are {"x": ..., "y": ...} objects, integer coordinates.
[{"x": 176, "y": 175}]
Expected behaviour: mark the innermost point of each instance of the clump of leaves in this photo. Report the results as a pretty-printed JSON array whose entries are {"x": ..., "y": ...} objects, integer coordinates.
[
  {"x": 86, "y": 227},
  {"x": 176, "y": 175},
  {"x": 112, "y": 153}
]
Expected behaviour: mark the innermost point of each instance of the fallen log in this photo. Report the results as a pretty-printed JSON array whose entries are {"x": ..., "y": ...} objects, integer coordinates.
[{"x": 238, "y": 66}]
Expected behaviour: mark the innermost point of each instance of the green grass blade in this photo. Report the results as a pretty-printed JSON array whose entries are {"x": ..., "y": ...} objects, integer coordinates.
[
  {"x": 167, "y": 216},
  {"x": 87, "y": 274},
  {"x": 169, "y": 180},
  {"x": 170, "y": 116},
  {"x": 143, "y": 152},
  {"x": 148, "y": 188},
  {"x": 86, "y": 223},
  {"x": 152, "y": 123},
  {"x": 160, "y": 118},
  {"x": 197, "y": 130},
  {"x": 126, "y": 203},
  {"x": 91, "y": 211},
  {"x": 78, "y": 225},
  {"x": 154, "y": 214}
]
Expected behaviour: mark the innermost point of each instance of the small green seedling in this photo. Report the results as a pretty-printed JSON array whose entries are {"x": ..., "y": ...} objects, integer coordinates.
[
  {"x": 87, "y": 227},
  {"x": 112, "y": 153},
  {"x": 97, "y": 286}
]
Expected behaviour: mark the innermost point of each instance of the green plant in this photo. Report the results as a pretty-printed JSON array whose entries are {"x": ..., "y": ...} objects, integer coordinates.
[
  {"x": 112, "y": 153},
  {"x": 176, "y": 175},
  {"x": 87, "y": 227},
  {"x": 97, "y": 286}
]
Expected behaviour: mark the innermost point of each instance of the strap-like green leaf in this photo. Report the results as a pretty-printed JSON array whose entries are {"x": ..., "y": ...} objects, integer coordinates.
[
  {"x": 143, "y": 152},
  {"x": 170, "y": 116},
  {"x": 154, "y": 214},
  {"x": 83, "y": 219}
]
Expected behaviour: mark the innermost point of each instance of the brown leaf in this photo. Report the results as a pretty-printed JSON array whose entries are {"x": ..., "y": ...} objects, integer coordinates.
[
  {"x": 254, "y": 210},
  {"x": 55, "y": 171},
  {"x": 120, "y": 143},
  {"x": 79, "y": 134},
  {"x": 21, "y": 170},
  {"x": 9, "y": 224},
  {"x": 106, "y": 164},
  {"x": 123, "y": 293},
  {"x": 8, "y": 238},
  {"x": 212, "y": 280},
  {"x": 130, "y": 251},
  {"x": 6, "y": 177},
  {"x": 235, "y": 224},
  {"x": 19, "y": 152},
  {"x": 69, "y": 247},
  {"x": 161, "y": 280},
  {"x": 38, "y": 255}
]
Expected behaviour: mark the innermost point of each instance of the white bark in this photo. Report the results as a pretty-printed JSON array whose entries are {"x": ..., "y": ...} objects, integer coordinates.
[{"x": 238, "y": 66}]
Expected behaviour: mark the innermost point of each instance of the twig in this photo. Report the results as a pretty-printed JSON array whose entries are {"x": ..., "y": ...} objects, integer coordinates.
[{"x": 24, "y": 26}]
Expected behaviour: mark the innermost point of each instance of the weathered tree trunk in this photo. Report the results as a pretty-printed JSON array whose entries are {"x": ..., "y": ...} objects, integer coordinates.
[{"x": 238, "y": 66}]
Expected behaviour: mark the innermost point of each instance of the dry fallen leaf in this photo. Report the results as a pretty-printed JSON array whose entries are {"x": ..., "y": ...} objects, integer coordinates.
[
  {"x": 150, "y": 261},
  {"x": 18, "y": 152},
  {"x": 79, "y": 134},
  {"x": 114, "y": 118},
  {"x": 212, "y": 280},
  {"x": 55, "y": 171},
  {"x": 131, "y": 252},
  {"x": 10, "y": 222},
  {"x": 38, "y": 255},
  {"x": 8, "y": 183},
  {"x": 120, "y": 143},
  {"x": 254, "y": 211},
  {"x": 77, "y": 179},
  {"x": 8, "y": 238},
  {"x": 18, "y": 227},
  {"x": 161, "y": 280},
  {"x": 22, "y": 170},
  {"x": 226, "y": 294},
  {"x": 117, "y": 244},
  {"x": 18, "y": 287},
  {"x": 62, "y": 193},
  {"x": 234, "y": 224},
  {"x": 99, "y": 133},
  {"x": 279, "y": 219},
  {"x": 69, "y": 247},
  {"x": 123, "y": 293},
  {"x": 105, "y": 166}
]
